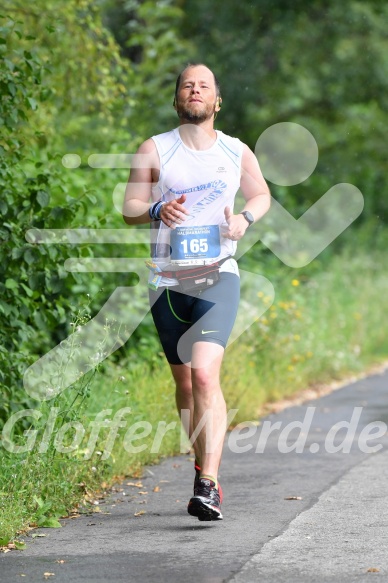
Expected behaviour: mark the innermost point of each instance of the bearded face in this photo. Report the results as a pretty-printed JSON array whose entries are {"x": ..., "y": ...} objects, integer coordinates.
[{"x": 196, "y": 99}]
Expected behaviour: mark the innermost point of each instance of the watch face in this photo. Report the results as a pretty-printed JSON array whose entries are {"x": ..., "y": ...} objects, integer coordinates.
[{"x": 248, "y": 217}]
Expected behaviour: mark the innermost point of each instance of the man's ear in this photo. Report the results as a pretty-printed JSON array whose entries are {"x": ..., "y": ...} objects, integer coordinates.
[{"x": 218, "y": 103}]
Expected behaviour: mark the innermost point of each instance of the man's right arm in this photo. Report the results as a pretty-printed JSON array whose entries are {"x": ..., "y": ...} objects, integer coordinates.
[
  {"x": 145, "y": 163},
  {"x": 144, "y": 172}
]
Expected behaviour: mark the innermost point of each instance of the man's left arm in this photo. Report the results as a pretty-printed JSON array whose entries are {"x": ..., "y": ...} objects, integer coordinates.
[{"x": 256, "y": 194}]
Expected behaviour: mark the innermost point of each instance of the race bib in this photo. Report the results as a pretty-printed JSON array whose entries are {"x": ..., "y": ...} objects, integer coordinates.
[{"x": 194, "y": 245}]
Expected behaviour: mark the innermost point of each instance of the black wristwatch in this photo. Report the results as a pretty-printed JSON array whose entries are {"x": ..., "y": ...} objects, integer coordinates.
[{"x": 248, "y": 217}]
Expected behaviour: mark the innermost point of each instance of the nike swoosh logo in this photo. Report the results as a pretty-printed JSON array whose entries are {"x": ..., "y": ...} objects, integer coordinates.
[{"x": 209, "y": 331}]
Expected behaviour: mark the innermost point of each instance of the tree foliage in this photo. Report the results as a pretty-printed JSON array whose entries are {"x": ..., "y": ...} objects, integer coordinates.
[
  {"x": 85, "y": 78},
  {"x": 151, "y": 36},
  {"x": 32, "y": 279},
  {"x": 321, "y": 64}
]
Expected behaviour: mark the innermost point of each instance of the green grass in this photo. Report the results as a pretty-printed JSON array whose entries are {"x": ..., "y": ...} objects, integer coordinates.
[
  {"x": 37, "y": 489},
  {"x": 322, "y": 326},
  {"x": 326, "y": 322}
]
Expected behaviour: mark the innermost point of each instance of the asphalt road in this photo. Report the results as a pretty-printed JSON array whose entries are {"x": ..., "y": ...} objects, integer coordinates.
[{"x": 314, "y": 515}]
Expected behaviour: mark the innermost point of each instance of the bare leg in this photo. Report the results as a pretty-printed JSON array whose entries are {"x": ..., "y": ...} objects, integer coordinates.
[
  {"x": 184, "y": 396},
  {"x": 198, "y": 390},
  {"x": 209, "y": 402}
]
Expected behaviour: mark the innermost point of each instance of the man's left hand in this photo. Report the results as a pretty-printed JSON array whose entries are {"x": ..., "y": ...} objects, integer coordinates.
[{"x": 237, "y": 225}]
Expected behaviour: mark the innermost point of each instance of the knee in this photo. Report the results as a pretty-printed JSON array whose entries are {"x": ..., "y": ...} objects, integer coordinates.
[{"x": 203, "y": 380}]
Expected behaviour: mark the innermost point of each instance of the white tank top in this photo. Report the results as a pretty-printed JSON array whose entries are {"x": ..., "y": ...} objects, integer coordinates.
[{"x": 210, "y": 180}]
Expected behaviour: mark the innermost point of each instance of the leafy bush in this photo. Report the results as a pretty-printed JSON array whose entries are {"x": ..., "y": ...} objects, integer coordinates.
[
  {"x": 39, "y": 298},
  {"x": 33, "y": 283}
]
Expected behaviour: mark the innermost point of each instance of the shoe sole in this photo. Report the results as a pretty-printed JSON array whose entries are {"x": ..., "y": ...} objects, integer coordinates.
[{"x": 202, "y": 510}]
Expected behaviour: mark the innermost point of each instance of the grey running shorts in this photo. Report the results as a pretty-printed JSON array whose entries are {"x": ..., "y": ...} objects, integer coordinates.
[{"x": 205, "y": 316}]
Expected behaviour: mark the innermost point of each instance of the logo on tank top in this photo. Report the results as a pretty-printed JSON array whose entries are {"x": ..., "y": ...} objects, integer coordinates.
[{"x": 216, "y": 188}]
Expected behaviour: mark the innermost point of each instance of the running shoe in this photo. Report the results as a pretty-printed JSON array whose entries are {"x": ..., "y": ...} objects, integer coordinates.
[
  {"x": 205, "y": 504},
  {"x": 198, "y": 475}
]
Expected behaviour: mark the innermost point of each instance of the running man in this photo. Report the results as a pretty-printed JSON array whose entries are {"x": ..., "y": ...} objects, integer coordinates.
[{"x": 184, "y": 183}]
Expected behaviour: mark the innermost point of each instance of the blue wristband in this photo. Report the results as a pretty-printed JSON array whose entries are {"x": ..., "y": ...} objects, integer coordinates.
[{"x": 154, "y": 210}]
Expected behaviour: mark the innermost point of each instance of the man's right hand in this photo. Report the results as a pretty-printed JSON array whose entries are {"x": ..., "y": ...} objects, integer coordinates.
[{"x": 173, "y": 213}]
